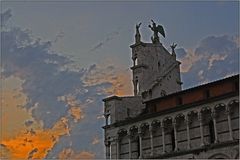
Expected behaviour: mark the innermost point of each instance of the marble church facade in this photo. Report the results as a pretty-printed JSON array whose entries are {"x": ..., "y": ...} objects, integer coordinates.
[{"x": 163, "y": 121}]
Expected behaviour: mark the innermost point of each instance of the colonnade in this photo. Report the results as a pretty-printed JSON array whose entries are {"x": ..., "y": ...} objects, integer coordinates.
[{"x": 139, "y": 129}]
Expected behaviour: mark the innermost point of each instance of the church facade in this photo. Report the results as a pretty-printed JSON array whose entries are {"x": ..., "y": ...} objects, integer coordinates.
[{"x": 163, "y": 121}]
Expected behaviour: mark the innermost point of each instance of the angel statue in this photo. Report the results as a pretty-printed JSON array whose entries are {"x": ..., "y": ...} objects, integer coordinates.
[
  {"x": 173, "y": 46},
  {"x": 137, "y": 28},
  {"x": 156, "y": 29}
]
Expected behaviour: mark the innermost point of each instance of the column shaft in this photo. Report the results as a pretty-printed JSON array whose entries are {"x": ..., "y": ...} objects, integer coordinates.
[
  {"x": 151, "y": 139},
  {"x": 215, "y": 127},
  {"x": 163, "y": 139},
  {"x": 188, "y": 135},
  {"x": 130, "y": 147},
  {"x": 201, "y": 127},
  {"x": 118, "y": 148},
  {"x": 230, "y": 127},
  {"x": 140, "y": 144},
  {"x": 175, "y": 135}
]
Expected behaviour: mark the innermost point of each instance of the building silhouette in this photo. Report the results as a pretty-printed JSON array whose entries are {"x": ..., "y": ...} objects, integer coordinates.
[{"x": 163, "y": 121}]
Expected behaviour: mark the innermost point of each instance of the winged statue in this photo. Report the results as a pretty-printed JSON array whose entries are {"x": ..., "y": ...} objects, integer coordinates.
[{"x": 156, "y": 29}]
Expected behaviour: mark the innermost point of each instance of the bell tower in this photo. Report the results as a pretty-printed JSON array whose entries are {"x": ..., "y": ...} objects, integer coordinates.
[{"x": 155, "y": 71}]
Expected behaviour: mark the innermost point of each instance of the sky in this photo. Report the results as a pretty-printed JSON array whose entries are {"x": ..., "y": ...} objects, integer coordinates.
[{"x": 59, "y": 60}]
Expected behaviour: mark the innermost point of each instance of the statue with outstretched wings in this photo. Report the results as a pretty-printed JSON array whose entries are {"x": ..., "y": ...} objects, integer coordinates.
[{"x": 156, "y": 29}]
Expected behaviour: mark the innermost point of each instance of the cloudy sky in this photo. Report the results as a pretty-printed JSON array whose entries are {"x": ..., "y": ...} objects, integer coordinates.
[{"x": 60, "y": 59}]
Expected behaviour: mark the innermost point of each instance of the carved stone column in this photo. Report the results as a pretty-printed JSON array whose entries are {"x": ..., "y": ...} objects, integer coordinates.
[
  {"x": 140, "y": 134},
  {"x": 229, "y": 123},
  {"x": 201, "y": 127},
  {"x": 175, "y": 134},
  {"x": 107, "y": 149},
  {"x": 151, "y": 138},
  {"x": 188, "y": 133},
  {"x": 163, "y": 137},
  {"x": 215, "y": 126},
  {"x": 129, "y": 146}
]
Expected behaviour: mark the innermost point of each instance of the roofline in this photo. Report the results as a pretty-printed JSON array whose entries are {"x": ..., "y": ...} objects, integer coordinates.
[
  {"x": 170, "y": 110},
  {"x": 193, "y": 88}
]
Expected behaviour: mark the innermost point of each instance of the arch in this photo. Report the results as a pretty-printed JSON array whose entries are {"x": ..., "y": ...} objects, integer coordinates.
[
  {"x": 219, "y": 156},
  {"x": 219, "y": 105},
  {"x": 155, "y": 122},
  {"x": 180, "y": 115},
  {"x": 167, "y": 118},
  {"x": 232, "y": 102},
  {"x": 132, "y": 128},
  {"x": 144, "y": 124},
  {"x": 192, "y": 112},
  {"x": 122, "y": 131},
  {"x": 206, "y": 108}
]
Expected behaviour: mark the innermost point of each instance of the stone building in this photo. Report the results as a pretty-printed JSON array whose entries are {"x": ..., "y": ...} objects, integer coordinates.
[{"x": 163, "y": 121}]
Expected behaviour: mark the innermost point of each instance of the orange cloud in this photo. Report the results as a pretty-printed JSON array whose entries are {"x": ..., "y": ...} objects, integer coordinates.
[
  {"x": 68, "y": 153},
  {"x": 35, "y": 144},
  {"x": 76, "y": 113},
  {"x": 13, "y": 115},
  {"x": 75, "y": 110}
]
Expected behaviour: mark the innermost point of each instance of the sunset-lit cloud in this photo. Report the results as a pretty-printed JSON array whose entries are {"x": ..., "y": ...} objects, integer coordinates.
[
  {"x": 117, "y": 80},
  {"x": 69, "y": 153},
  {"x": 35, "y": 143},
  {"x": 76, "y": 113},
  {"x": 215, "y": 56},
  {"x": 189, "y": 60},
  {"x": 95, "y": 140}
]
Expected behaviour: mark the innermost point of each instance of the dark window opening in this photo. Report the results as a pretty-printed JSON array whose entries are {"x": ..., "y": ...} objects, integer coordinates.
[
  {"x": 211, "y": 131},
  {"x": 173, "y": 140},
  {"x": 150, "y": 93},
  {"x": 179, "y": 101},
  {"x": 207, "y": 93}
]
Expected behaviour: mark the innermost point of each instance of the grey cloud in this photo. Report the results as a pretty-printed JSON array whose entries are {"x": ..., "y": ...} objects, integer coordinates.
[
  {"x": 223, "y": 47},
  {"x": 108, "y": 38},
  {"x": 180, "y": 52},
  {"x": 5, "y": 16},
  {"x": 59, "y": 36}
]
